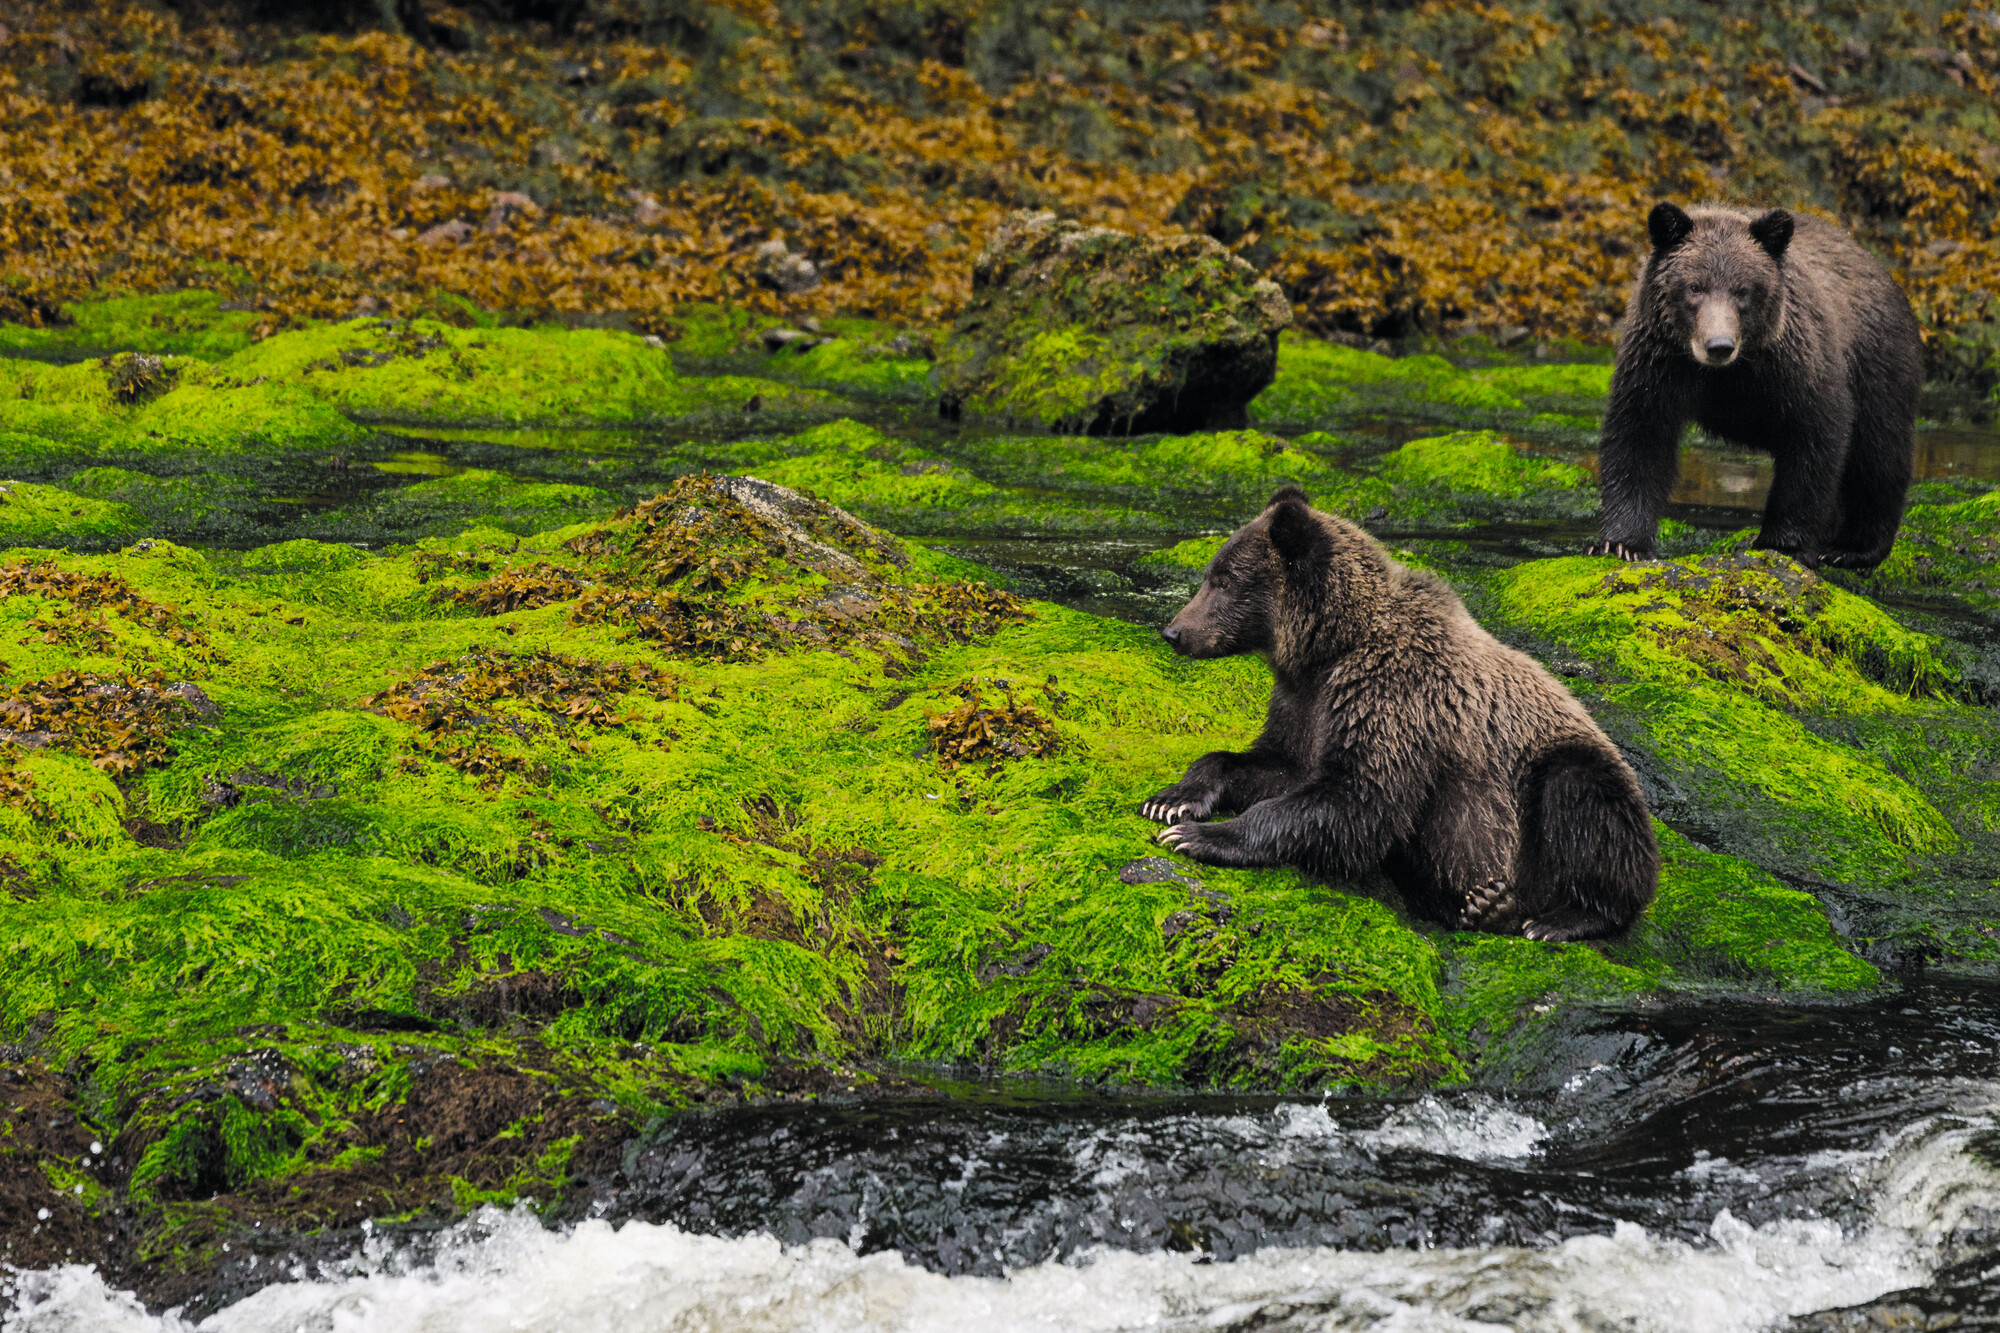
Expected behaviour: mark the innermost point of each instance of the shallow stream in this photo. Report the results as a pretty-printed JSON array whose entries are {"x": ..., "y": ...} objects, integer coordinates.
[{"x": 1703, "y": 1169}]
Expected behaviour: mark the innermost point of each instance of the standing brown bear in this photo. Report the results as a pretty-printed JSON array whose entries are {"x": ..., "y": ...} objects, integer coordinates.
[
  {"x": 1775, "y": 333},
  {"x": 1401, "y": 734}
]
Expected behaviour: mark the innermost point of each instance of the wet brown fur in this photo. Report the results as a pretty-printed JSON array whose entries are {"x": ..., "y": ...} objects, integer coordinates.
[{"x": 1401, "y": 734}]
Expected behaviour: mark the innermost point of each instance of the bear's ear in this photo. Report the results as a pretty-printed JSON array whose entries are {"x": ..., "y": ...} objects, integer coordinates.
[
  {"x": 1293, "y": 530},
  {"x": 1288, "y": 493},
  {"x": 1668, "y": 226},
  {"x": 1773, "y": 231}
]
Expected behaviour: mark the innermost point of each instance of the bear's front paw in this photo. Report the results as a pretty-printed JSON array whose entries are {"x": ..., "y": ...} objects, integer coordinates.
[
  {"x": 1211, "y": 844},
  {"x": 1632, "y": 552},
  {"x": 1178, "y": 805}
]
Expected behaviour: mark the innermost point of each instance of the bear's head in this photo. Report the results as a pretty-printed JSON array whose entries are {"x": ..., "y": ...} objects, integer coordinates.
[
  {"x": 1717, "y": 277},
  {"x": 1293, "y": 583}
]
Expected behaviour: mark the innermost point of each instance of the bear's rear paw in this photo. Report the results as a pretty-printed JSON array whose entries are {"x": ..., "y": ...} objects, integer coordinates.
[
  {"x": 1633, "y": 552},
  {"x": 1862, "y": 561},
  {"x": 1491, "y": 902},
  {"x": 1561, "y": 927},
  {"x": 1176, "y": 806}
]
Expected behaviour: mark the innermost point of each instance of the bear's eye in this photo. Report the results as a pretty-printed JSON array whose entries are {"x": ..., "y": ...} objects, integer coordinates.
[
  {"x": 1742, "y": 293},
  {"x": 1696, "y": 291}
]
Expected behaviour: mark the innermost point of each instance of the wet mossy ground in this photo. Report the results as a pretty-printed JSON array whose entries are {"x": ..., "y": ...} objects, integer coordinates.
[{"x": 408, "y": 815}]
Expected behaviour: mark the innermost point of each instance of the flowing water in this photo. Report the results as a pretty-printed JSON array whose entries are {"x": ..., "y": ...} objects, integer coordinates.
[{"x": 1712, "y": 1168}]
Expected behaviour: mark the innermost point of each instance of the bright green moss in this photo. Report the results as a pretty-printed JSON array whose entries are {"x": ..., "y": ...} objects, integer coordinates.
[
  {"x": 1317, "y": 379},
  {"x": 1710, "y": 657},
  {"x": 851, "y": 365},
  {"x": 1717, "y": 916},
  {"x": 194, "y": 407},
  {"x": 187, "y": 323},
  {"x": 1949, "y": 551},
  {"x": 212, "y": 412},
  {"x": 1479, "y": 461},
  {"x": 918, "y": 491},
  {"x": 1559, "y": 381},
  {"x": 1756, "y": 622},
  {"x": 419, "y": 370},
  {"x": 51, "y": 800},
  {"x": 707, "y": 331},
  {"x": 303, "y": 556},
  {"x": 504, "y": 501},
  {"x": 1191, "y": 556},
  {"x": 32, "y": 515}
]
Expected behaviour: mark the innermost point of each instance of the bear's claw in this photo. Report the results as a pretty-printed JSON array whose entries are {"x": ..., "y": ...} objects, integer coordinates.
[
  {"x": 1486, "y": 904},
  {"x": 1168, "y": 809},
  {"x": 1630, "y": 554}
]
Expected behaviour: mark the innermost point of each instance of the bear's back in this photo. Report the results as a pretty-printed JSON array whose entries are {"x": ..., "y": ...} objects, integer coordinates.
[{"x": 1518, "y": 706}]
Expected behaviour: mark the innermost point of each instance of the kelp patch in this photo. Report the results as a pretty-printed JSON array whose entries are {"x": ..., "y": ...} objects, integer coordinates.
[
  {"x": 460, "y": 707},
  {"x": 1005, "y": 728}
]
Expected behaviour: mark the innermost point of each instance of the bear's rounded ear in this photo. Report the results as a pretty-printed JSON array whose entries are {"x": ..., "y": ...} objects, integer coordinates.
[
  {"x": 1668, "y": 225},
  {"x": 1773, "y": 231},
  {"x": 1293, "y": 530},
  {"x": 1288, "y": 493}
]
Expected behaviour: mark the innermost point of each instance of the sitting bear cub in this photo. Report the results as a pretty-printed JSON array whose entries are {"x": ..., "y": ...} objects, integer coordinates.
[{"x": 1401, "y": 734}]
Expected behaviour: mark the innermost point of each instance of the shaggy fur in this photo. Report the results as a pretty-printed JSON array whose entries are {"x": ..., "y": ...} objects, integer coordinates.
[
  {"x": 1401, "y": 734},
  {"x": 1775, "y": 333}
]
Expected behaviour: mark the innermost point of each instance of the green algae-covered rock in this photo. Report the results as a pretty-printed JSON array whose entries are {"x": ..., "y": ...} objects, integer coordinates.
[
  {"x": 1481, "y": 462},
  {"x": 1087, "y": 329},
  {"x": 1948, "y": 549},
  {"x": 32, "y": 515},
  {"x": 1320, "y": 383},
  {"x": 1796, "y": 725},
  {"x": 309, "y": 389},
  {"x": 187, "y": 323}
]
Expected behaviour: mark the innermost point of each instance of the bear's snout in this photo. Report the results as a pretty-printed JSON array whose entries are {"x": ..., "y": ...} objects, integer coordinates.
[
  {"x": 1172, "y": 634},
  {"x": 1716, "y": 332}
]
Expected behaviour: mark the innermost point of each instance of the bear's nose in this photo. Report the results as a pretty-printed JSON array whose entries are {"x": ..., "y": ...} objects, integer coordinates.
[
  {"x": 1171, "y": 635},
  {"x": 1721, "y": 347}
]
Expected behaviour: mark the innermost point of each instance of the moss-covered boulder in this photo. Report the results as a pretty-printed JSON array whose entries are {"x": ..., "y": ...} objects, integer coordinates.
[
  {"x": 1794, "y": 724},
  {"x": 32, "y": 515},
  {"x": 1074, "y": 328},
  {"x": 1948, "y": 549}
]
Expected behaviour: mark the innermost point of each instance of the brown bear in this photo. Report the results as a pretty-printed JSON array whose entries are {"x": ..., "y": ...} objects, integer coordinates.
[
  {"x": 1775, "y": 333},
  {"x": 1403, "y": 735}
]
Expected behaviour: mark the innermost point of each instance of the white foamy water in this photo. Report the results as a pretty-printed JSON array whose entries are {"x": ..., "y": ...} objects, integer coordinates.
[
  {"x": 503, "y": 1271},
  {"x": 1475, "y": 1129}
]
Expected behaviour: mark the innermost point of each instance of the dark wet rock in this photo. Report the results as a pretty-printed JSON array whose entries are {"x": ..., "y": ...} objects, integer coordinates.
[
  {"x": 1085, "y": 328},
  {"x": 777, "y": 340},
  {"x": 1156, "y": 870}
]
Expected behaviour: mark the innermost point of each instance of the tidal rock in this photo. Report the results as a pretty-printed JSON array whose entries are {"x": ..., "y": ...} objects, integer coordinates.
[
  {"x": 788, "y": 272},
  {"x": 1075, "y": 328}
]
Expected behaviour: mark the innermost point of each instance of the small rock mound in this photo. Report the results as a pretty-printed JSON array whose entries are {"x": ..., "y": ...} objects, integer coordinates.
[{"x": 1085, "y": 328}]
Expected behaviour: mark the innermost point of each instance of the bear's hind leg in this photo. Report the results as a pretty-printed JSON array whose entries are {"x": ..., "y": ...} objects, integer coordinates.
[
  {"x": 1874, "y": 484},
  {"x": 1590, "y": 861},
  {"x": 1456, "y": 868}
]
